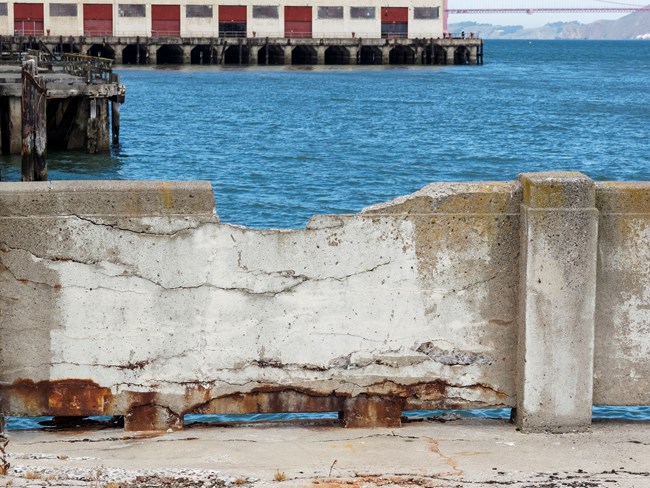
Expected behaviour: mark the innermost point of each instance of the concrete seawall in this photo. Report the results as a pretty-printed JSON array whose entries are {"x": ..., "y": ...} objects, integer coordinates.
[{"x": 130, "y": 298}]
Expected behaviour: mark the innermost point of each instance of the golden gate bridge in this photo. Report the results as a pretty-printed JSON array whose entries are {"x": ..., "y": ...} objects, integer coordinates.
[{"x": 596, "y": 6}]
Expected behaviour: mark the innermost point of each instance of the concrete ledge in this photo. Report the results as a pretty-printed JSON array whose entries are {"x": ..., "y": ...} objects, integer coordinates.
[
  {"x": 623, "y": 197},
  {"x": 107, "y": 198},
  {"x": 557, "y": 189}
]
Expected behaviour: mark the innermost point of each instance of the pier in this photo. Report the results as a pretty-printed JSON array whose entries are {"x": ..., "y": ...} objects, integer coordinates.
[
  {"x": 137, "y": 50},
  {"x": 57, "y": 102}
]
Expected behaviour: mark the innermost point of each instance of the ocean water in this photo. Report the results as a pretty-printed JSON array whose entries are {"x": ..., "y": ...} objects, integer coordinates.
[{"x": 280, "y": 144}]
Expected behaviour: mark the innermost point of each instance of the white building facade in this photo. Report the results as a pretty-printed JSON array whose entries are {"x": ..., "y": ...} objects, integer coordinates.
[{"x": 331, "y": 19}]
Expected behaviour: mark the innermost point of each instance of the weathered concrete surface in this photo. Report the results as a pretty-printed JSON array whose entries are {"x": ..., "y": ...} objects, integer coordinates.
[
  {"x": 622, "y": 353},
  {"x": 131, "y": 298},
  {"x": 430, "y": 454},
  {"x": 185, "y": 314},
  {"x": 559, "y": 235}
]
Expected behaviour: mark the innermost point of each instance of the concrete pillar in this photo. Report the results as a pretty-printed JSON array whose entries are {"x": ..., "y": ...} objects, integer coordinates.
[
  {"x": 385, "y": 54},
  {"x": 419, "y": 50},
  {"x": 187, "y": 54},
  {"x": 15, "y": 125},
  {"x": 119, "y": 53},
  {"x": 151, "y": 53},
  {"x": 354, "y": 53},
  {"x": 288, "y": 52},
  {"x": 559, "y": 231},
  {"x": 473, "y": 54},
  {"x": 451, "y": 54},
  {"x": 320, "y": 54},
  {"x": 253, "y": 55}
]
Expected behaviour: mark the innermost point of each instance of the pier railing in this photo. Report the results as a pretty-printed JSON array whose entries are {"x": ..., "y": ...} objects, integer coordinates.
[{"x": 90, "y": 67}]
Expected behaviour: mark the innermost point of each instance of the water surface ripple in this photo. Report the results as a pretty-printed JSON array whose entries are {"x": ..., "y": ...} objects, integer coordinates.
[{"x": 280, "y": 144}]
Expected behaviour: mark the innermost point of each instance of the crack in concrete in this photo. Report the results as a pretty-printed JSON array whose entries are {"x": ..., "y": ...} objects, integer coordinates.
[
  {"x": 133, "y": 231},
  {"x": 248, "y": 291}
]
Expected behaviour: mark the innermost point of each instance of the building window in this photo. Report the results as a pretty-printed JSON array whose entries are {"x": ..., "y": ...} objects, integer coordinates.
[
  {"x": 426, "y": 12},
  {"x": 265, "y": 12},
  {"x": 3, "y": 9},
  {"x": 204, "y": 11},
  {"x": 362, "y": 12},
  {"x": 232, "y": 29},
  {"x": 63, "y": 10},
  {"x": 131, "y": 10},
  {"x": 330, "y": 12}
]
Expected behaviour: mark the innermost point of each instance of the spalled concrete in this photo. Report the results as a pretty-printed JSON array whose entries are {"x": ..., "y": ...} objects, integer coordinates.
[{"x": 130, "y": 298}]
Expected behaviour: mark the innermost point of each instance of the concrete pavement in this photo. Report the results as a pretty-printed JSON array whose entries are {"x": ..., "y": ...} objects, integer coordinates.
[{"x": 473, "y": 453}]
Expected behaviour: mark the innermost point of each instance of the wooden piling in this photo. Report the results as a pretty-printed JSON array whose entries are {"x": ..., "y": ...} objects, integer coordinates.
[
  {"x": 92, "y": 128},
  {"x": 34, "y": 124},
  {"x": 115, "y": 121}
]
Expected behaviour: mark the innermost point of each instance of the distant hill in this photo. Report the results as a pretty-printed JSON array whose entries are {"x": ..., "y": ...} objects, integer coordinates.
[{"x": 633, "y": 26}]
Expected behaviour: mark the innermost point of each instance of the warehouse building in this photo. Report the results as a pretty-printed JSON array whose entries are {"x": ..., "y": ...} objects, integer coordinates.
[{"x": 243, "y": 32}]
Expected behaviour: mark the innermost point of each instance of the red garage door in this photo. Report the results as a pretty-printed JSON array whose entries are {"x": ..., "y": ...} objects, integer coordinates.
[
  {"x": 297, "y": 22},
  {"x": 165, "y": 20},
  {"x": 98, "y": 19},
  {"x": 394, "y": 22},
  {"x": 28, "y": 19}
]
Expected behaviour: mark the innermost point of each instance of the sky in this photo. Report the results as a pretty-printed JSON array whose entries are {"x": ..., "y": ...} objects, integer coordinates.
[{"x": 538, "y": 19}]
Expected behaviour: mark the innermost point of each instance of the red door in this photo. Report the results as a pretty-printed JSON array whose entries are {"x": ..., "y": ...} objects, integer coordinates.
[
  {"x": 165, "y": 20},
  {"x": 394, "y": 22},
  {"x": 28, "y": 19},
  {"x": 297, "y": 22},
  {"x": 98, "y": 19}
]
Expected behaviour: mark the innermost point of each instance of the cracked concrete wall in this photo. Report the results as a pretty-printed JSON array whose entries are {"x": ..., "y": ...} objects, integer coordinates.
[
  {"x": 138, "y": 288},
  {"x": 117, "y": 296}
]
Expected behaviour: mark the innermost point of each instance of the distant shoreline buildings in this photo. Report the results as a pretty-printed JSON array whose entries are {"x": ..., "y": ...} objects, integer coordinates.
[{"x": 241, "y": 32}]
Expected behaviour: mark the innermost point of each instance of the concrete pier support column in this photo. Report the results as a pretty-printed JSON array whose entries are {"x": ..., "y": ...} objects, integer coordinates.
[
  {"x": 385, "y": 54},
  {"x": 151, "y": 54},
  {"x": 473, "y": 54},
  {"x": 451, "y": 54},
  {"x": 559, "y": 231},
  {"x": 320, "y": 54},
  {"x": 354, "y": 54},
  {"x": 119, "y": 53},
  {"x": 253, "y": 55},
  {"x": 419, "y": 58},
  {"x": 187, "y": 54},
  {"x": 288, "y": 51}
]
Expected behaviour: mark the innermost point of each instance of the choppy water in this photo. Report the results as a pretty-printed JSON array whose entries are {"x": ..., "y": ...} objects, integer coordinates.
[{"x": 280, "y": 144}]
